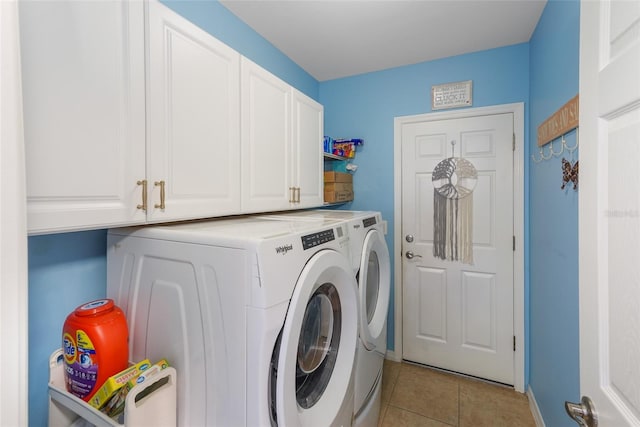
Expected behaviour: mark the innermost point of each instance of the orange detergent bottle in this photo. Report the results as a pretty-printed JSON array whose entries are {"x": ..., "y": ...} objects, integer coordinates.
[{"x": 95, "y": 345}]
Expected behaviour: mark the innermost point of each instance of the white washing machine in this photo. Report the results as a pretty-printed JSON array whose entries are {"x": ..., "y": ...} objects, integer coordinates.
[
  {"x": 372, "y": 267},
  {"x": 258, "y": 317}
]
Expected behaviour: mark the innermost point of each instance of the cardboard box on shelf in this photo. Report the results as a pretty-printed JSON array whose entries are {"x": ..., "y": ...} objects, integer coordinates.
[
  {"x": 338, "y": 186},
  {"x": 332, "y": 176},
  {"x": 338, "y": 196}
]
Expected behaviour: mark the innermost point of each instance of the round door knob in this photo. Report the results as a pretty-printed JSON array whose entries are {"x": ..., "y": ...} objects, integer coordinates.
[{"x": 584, "y": 413}]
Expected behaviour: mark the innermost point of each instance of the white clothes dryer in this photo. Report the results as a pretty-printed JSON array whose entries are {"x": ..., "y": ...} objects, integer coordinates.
[
  {"x": 258, "y": 317},
  {"x": 372, "y": 267}
]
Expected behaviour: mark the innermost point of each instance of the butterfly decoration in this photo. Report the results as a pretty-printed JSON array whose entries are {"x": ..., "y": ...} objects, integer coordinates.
[{"x": 569, "y": 174}]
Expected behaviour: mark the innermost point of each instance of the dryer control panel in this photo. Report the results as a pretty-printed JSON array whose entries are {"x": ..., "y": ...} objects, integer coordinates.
[{"x": 368, "y": 222}]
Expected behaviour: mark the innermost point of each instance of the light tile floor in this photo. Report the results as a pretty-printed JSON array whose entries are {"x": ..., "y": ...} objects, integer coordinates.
[{"x": 415, "y": 396}]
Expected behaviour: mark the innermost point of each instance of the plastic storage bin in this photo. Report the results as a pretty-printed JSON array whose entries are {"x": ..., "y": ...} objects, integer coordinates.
[{"x": 153, "y": 407}]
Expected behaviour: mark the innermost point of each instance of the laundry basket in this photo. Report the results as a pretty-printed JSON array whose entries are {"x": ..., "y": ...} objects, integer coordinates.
[{"x": 154, "y": 407}]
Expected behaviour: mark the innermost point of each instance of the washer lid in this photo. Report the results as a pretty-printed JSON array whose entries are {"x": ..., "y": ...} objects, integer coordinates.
[
  {"x": 318, "y": 343},
  {"x": 374, "y": 287}
]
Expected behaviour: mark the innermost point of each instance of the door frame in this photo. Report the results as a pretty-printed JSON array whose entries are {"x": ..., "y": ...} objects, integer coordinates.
[
  {"x": 14, "y": 294},
  {"x": 518, "y": 224}
]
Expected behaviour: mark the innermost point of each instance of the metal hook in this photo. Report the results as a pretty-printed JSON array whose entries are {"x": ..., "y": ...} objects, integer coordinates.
[
  {"x": 542, "y": 156},
  {"x": 533, "y": 157},
  {"x": 563, "y": 146},
  {"x": 546, "y": 157},
  {"x": 558, "y": 154},
  {"x": 572, "y": 149}
]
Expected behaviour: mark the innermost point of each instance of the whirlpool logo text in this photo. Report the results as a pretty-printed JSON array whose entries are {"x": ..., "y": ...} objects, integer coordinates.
[{"x": 284, "y": 249}]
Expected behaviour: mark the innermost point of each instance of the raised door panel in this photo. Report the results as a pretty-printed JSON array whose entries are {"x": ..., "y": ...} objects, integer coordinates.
[
  {"x": 83, "y": 89},
  {"x": 266, "y": 140},
  {"x": 193, "y": 130},
  {"x": 308, "y": 123}
]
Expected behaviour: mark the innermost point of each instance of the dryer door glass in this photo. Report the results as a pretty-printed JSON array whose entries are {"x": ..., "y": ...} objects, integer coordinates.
[
  {"x": 318, "y": 345},
  {"x": 372, "y": 285}
]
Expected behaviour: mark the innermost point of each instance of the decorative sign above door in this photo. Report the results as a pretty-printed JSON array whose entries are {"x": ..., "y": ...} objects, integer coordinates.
[{"x": 451, "y": 95}]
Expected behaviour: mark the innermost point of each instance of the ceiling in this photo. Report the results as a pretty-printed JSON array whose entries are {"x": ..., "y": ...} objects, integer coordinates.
[{"x": 331, "y": 39}]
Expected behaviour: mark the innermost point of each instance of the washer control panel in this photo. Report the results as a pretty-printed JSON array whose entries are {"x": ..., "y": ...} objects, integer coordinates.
[{"x": 319, "y": 238}]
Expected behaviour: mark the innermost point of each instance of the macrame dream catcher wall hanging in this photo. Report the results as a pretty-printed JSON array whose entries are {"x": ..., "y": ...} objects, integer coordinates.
[{"x": 453, "y": 180}]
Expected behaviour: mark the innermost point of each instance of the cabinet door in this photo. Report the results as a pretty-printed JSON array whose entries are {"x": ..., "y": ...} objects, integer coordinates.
[
  {"x": 193, "y": 128},
  {"x": 266, "y": 140},
  {"x": 308, "y": 123},
  {"x": 83, "y": 90}
]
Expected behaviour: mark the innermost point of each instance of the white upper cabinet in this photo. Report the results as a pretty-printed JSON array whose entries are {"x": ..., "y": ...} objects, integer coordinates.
[
  {"x": 266, "y": 140},
  {"x": 281, "y": 143},
  {"x": 135, "y": 115},
  {"x": 307, "y": 135},
  {"x": 193, "y": 120},
  {"x": 92, "y": 160},
  {"x": 83, "y": 90}
]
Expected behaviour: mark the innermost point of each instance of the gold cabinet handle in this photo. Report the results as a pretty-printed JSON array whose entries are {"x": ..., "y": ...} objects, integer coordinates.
[
  {"x": 143, "y": 206},
  {"x": 298, "y": 194},
  {"x": 292, "y": 194},
  {"x": 161, "y": 185}
]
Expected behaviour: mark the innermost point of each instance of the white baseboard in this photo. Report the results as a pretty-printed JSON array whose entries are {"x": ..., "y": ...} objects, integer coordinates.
[
  {"x": 391, "y": 355},
  {"x": 535, "y": 411}
]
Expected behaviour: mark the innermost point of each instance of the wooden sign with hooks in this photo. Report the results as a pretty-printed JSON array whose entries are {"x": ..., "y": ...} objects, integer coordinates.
[{"x": 560, "y": 122}]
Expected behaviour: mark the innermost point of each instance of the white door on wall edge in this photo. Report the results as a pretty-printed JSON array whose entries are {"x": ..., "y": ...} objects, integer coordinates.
[
  {"x": 14, "y": 293},
  {"x": 457, "y": 316},
  {"x": 609, "y": 211}
]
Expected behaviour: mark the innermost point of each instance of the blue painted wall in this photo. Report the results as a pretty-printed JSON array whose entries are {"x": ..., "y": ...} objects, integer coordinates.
[
  {"x": 553, "y": 216},
  {"x": 226, "y": 27},
  {"x": 364, "y": 106},
  {"x": 65, "y": 270}
]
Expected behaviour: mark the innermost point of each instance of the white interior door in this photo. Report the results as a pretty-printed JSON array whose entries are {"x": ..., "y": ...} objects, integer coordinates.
[
  {"x": 609, "y": 209},
  {"x": 458, "y": 316}
]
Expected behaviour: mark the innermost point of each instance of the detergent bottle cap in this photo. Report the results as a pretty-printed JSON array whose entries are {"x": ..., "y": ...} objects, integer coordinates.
[{"x": 94, "y": 308}]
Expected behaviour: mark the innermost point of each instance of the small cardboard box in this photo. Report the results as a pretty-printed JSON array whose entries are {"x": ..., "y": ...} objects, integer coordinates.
[
  {"x": 115, "y": 405},
  {"x": 113, "y": 384},
  {"x": 333, "y": 176},
  {"x": 338, "y": 196},
  {"x": 338, "y": 186}
]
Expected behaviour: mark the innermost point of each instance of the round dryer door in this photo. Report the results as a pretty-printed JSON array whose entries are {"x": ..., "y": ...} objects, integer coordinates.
[
  {"x": 314, "y": 381},
  {"x": 374, "y": 288}
]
